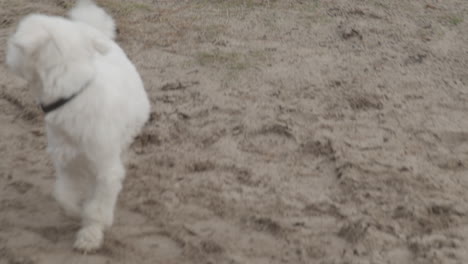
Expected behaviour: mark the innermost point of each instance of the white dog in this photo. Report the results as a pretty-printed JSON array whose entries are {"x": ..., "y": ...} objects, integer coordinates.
[{"x": 94, "y": 104}]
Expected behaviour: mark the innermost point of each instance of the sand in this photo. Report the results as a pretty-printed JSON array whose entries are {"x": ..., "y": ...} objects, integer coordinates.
[{"x": 287, "y": 131}]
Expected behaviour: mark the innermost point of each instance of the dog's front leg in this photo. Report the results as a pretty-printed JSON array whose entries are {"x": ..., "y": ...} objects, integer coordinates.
[{"x": 98, "y": 212}]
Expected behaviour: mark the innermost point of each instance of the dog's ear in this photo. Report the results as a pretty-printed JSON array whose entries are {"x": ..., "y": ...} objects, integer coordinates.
[
  {"x": 22, "y": 47},
  {"x": 30, "y": 41}
]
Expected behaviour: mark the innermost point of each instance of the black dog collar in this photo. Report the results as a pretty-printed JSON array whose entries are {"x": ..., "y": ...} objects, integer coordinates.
[
  {"x": 62, "y": 101},
  {"x": 57, "y": 104}
]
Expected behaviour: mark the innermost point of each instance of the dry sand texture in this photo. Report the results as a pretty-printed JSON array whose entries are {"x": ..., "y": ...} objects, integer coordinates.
[{"x": 287, "y": 131}]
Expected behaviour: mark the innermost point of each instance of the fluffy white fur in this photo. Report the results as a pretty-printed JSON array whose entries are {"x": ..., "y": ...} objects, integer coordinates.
[
  {"x": 86, "y": 136},
  {"x": 86, "y": 11}
]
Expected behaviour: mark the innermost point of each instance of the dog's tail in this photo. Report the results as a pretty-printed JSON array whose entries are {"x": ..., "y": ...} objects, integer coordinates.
[{"x": 88, "y": 12}]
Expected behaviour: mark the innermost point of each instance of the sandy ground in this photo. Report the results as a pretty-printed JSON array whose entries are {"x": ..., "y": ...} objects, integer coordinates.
[{"x": 287, "y": 131}]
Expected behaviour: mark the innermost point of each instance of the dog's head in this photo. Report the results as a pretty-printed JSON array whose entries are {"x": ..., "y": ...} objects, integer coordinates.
[
  {"x": 44, "y": 42},
  {"x": 22, "y": 47}
]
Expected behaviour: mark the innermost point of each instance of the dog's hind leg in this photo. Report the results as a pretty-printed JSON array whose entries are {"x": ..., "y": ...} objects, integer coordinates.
[
  {"x": 98, "y": 212},
  {"x": 67, "y": 193}
]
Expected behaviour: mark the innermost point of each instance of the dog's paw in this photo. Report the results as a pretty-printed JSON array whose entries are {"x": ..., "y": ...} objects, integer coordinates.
[{"x": 89, "y": 238}]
